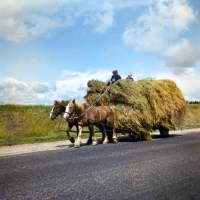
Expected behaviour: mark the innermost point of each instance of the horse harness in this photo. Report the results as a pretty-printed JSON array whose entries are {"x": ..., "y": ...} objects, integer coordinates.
[{"x": 77, "y": 115}]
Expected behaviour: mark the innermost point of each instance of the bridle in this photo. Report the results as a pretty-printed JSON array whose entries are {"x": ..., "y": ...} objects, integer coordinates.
[
  {"x": 74, "y": 113},
  {"x": 77, "y": 115},
  {"x": 57, "y": 112},
  {"x": 53, "y": 112}
]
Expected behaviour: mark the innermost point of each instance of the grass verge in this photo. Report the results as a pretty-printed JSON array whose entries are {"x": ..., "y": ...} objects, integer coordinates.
[{"x": 20, "y": 124}]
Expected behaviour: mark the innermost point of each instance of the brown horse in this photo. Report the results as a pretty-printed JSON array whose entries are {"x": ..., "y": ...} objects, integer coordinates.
[
  {"x": 87, "y": 115},
  {"x": 59, "y": 109}
]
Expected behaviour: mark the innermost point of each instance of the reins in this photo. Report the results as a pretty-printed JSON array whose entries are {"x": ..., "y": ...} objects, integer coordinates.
[
  {"x": 100, "y": 96},
  {"x": 76, "y": 115}
]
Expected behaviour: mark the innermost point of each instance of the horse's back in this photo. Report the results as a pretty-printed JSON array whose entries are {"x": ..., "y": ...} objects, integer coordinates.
[{"x": 112, "y": 114}]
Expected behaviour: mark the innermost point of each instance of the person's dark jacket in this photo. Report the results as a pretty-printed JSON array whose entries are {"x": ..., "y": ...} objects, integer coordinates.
[{"x": 115, "y": 78}]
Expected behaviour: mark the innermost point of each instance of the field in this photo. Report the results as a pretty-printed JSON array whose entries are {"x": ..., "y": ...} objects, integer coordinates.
[
  {"x": 20, "y": 124},
  {"x": 192, "y": 119}
]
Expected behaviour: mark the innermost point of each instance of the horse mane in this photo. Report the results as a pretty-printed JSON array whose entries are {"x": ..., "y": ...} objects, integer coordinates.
[
  {"x": 62, "y": 103},
  {"x": 81, "y": 105},
  {"x": 56, "y": 103}
]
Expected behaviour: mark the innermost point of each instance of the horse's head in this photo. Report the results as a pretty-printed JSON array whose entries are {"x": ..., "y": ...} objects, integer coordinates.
[
  {"x": 58, "y": 108},
  {"x": 70, "y": 109}
]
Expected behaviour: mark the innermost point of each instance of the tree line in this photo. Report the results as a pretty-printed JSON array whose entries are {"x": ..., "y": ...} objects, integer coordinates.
[{"x": 193, "y": 102}]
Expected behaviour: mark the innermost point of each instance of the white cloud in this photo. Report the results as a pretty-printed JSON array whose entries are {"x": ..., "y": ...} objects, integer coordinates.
[
  {"x": 39, "y": 88},
  {"x": 73, "y": 85},
  {"x": 160, "y": 25},
  {"x": 181, "y": 55},
  {"x": 101, "y": 21},
  {"x": 23, "y": 20},
  {"x": 188, "y": 82},
  {"x": 13, "y": 91}
]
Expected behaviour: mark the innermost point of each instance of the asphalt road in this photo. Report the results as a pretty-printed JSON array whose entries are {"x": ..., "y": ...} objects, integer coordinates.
[{"x": 159, "y": 169}]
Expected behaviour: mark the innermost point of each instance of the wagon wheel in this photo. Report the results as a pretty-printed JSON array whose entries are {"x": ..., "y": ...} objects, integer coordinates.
[
  {"x": 164, "y": 132},
  {"x": 135, "y": 137}
]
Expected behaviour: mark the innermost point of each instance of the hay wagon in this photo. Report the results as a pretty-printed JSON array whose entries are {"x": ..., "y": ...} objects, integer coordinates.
[{"x": 142, "y": 106}]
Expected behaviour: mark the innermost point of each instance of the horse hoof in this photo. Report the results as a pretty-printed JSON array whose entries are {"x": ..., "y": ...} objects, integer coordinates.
[
  {"x": 71, "y": 145},
  {"x": 94, "y": 143},
  {"x": 77, "y": 146},
  {"x": 72, "y": 140},
  {"x": 115, "y": 141},
  {"x": 105, "y": 142}
]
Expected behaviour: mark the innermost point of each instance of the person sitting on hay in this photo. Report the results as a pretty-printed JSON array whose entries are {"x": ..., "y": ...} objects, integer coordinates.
[
  {"x": 129, "y": 77},
  {"x": 114, "y": 77}
]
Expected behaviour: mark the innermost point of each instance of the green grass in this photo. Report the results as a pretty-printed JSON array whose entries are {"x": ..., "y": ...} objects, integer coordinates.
[
  {"x": 192, "y": 119},
  {"x": 20, "y": 124}
]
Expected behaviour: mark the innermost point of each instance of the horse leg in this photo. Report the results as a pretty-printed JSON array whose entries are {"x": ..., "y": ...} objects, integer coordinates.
[
  {"x": 92, "y": 134},
  {"x": 115, "y": 139},
  {"x": 78, "y": 141},
  {"x": 105, "y": 141},
  {"x": 68, "y": 135},
  {"x": 89, "y": 141},
  {"x": 113, "y": 120},
  {"x": 102, "y": 131}
]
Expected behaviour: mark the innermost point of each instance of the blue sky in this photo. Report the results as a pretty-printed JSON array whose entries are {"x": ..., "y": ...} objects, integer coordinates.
[{"x": 50, "y": 49}]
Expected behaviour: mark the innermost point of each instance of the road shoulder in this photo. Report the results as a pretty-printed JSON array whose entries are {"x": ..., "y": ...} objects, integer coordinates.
[{"x": 47, "y": 146}]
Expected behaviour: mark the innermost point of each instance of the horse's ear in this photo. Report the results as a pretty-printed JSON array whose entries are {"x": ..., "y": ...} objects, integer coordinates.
[
  {"x": 73, "y": 101},
  {"x": 64, "y": 103},
  {"x": 55, "y": 102}
]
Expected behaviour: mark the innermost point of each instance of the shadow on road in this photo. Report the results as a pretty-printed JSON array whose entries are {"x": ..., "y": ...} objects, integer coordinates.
[
  {"x": 154, "y": 137},
  {"x": 122, "y": 138},
  {"x": 160, "y": 137}
]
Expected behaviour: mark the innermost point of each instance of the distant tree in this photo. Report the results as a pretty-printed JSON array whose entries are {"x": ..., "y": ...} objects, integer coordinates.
[{"x": 193, "y": 102}]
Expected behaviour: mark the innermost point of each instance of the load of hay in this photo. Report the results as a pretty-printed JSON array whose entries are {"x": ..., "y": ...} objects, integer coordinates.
[{"x": 142, "y": 106}]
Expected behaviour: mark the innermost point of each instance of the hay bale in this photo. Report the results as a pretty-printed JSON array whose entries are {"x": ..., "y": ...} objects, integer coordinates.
[{"x": 141, "y": 106}]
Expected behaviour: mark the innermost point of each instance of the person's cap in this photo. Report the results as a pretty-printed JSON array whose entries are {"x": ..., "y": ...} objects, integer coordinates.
[
  {"x": 130, "y": 74},
  {"x": 115, "y": 72}
]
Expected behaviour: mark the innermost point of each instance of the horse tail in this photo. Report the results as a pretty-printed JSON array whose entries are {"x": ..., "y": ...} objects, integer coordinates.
[{"x": 115, "y": 117}]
